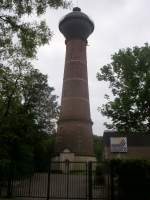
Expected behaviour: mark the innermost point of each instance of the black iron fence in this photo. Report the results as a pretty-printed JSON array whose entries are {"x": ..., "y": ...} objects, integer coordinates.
[{"x": 63, "y": 180}]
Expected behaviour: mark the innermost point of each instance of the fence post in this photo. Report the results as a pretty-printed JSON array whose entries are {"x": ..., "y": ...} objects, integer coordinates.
[
  {"x": 10, "y": 181},
  {"x": 48, "y": 184},
  {"x": 9, "y": 191},
  {"x": 67, "y": 165},
  {"x": 30, "y": 185},
  {"x": 90, "y": 196},
  {"x": 112, "y": 181}
]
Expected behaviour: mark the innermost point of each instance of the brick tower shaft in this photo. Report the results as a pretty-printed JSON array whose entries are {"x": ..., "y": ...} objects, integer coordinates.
[{"x": 75, "y": 95}]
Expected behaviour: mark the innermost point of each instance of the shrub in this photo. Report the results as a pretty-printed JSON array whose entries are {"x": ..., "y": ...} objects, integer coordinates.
[{"x": 133, "y": 178}]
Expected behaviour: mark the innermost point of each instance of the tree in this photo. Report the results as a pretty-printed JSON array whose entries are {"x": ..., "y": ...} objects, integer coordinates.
[
  {"x": 27, "y": 89},
  {"x": 38, "y": 99},
  {"x": 98, "y": 147},
  {"x": 22, "y": 30},
  {"x": 28, "y": 109},
  {"x": 19, "y": 36},
  {"x": 28, "y": 113},
  {"x": 128, "y": 76}
]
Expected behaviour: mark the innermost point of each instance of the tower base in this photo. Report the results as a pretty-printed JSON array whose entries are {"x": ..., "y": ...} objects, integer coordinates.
[
  {"x": 67, "y": 161},
  {"x": 67, "y": 155}
]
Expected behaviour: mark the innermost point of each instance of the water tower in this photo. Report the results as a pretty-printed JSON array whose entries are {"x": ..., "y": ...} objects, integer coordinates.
[{"x": 74, "y": 140}]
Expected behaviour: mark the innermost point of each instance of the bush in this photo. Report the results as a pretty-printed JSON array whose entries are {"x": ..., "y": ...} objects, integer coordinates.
[
  {"x": 99, "y": 175},
  {"x": 4, "y": 171},
  {"x": 133, "y": 178}
]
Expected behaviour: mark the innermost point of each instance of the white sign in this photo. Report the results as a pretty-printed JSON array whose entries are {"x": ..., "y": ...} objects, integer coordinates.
[{"x": 118, "y": 144}]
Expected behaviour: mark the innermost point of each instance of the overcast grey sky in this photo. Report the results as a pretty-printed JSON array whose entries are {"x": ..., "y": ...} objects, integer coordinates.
[{"x": 118, "y": 24}]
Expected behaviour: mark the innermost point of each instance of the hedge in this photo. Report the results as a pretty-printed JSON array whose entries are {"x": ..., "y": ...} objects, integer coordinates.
[{"x": 131, "y": 179}]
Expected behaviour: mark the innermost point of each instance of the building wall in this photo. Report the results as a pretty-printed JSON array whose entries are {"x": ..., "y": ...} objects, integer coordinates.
[{"x": 135, "y": 152}]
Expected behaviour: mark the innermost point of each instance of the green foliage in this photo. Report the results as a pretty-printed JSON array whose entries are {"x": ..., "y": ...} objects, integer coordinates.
[
  {"x": 43, "y": 152},
  {"x": 19, "y": 36},
  {"x": 100, "y": 173},
  {"x": 28, "y": 112},
  {"x": 129, "y": 80},
  {"x": 132, "y": 178},
  {"x": 28, "y": 109},
  {"x": 98, "y": 147}
]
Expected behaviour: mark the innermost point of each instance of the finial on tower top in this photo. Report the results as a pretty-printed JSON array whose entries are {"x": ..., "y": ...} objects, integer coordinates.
[{"x": 77, "y": 9}]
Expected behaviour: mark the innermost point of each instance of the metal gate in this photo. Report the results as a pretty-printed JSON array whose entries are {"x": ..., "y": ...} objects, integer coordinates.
[{"x": 64, "y": 180}]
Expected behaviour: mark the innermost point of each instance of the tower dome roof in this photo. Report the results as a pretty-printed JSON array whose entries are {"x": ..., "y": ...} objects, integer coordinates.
[{"x": 76, "y": 25}]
